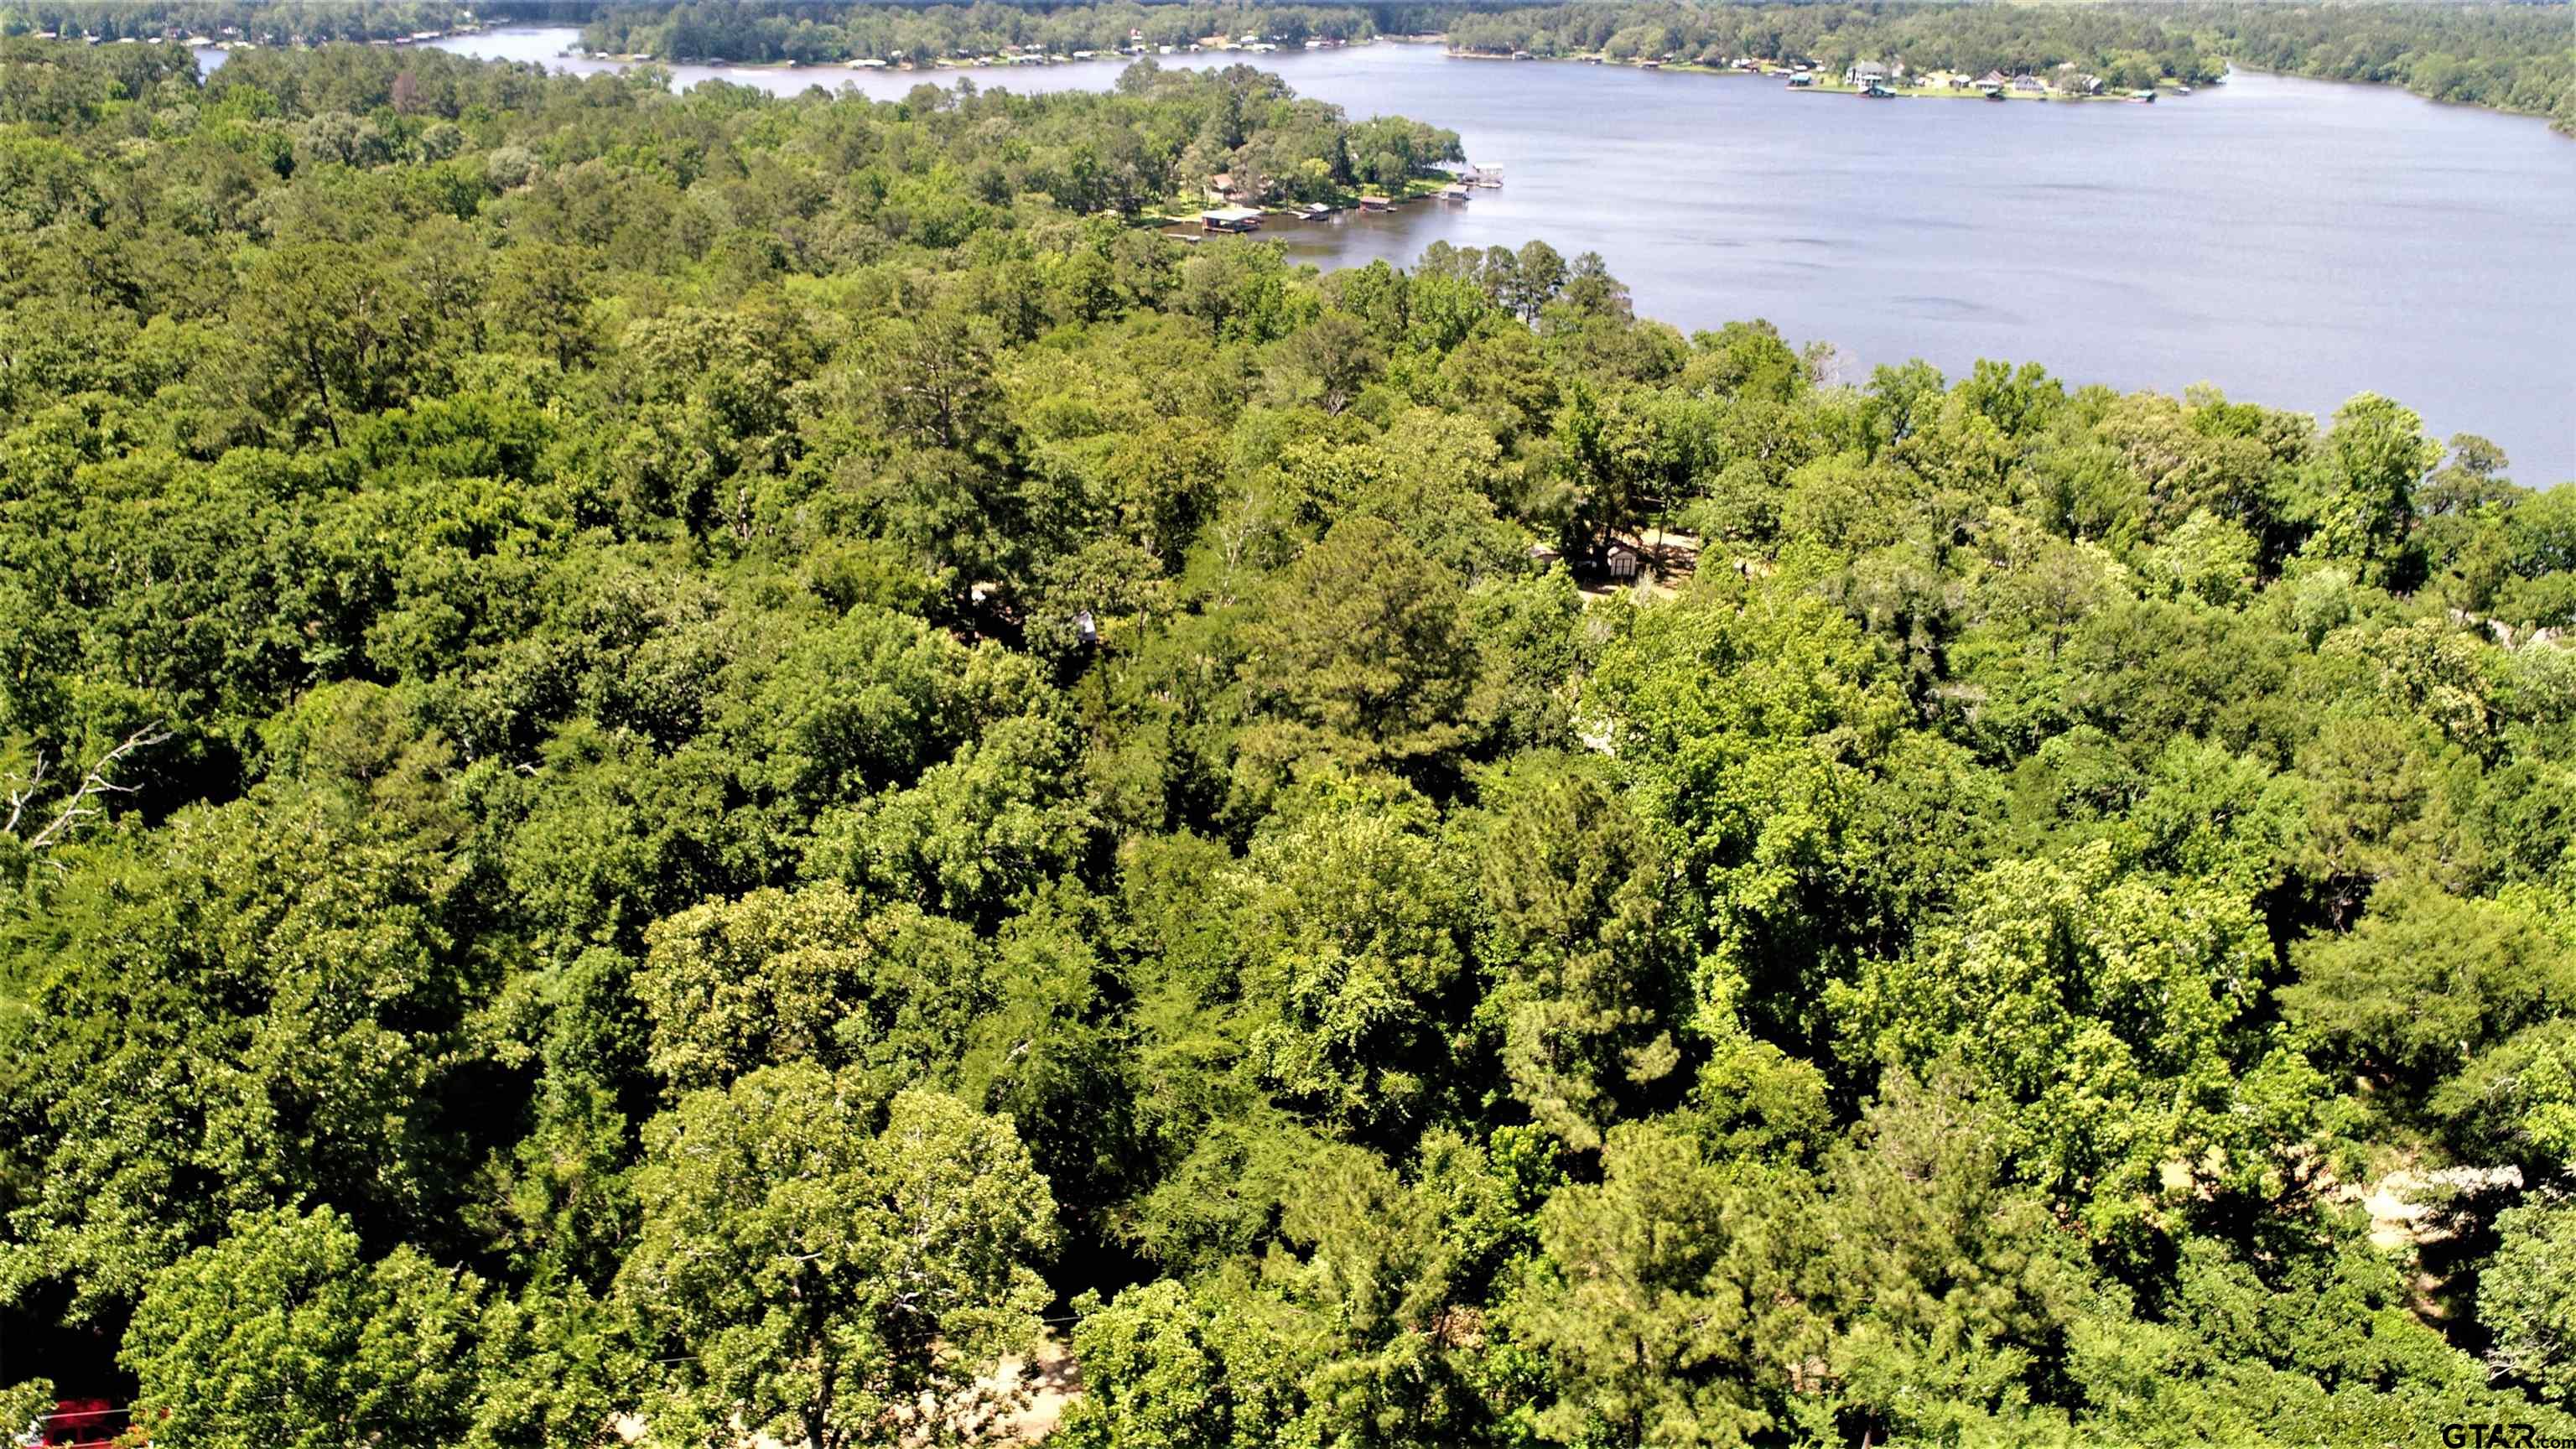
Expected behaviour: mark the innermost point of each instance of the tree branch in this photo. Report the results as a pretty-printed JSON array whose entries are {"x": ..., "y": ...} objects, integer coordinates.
[{"x": 83, "y": 803}]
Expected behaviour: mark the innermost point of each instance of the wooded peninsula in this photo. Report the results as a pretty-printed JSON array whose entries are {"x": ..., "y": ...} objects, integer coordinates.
[{"x": 682, "y": 765}]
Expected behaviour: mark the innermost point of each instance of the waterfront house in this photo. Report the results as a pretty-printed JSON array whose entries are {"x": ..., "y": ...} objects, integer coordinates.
[
  {"x": 1991, "y": 80},
  {"x": 1230, "y": 218},
  {"x": 1376, "y": 203},
  {"x": 1866, "y": 73},
  {"x": 2029, "y": 85}
]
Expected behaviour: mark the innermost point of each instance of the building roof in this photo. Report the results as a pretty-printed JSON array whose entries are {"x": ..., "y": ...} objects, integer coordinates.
[{"x": 1230, "y": 213}]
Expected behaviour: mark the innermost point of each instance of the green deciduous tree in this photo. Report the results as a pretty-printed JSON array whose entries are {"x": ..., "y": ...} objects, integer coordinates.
[
  {"x": 1749, "y": 722},
  {"x": 818, "y": 974},
  {"x": 2114, "y": 1014},
  {"x": 1352, "y": 957},
  {"x": 2365, "y": 474},
  {"x": 829, "y": 1271},
  {"x": 270, "y": 1008},
  {"x": 282, "y": 1333},
  {"x": 2527, "y": 1298}
]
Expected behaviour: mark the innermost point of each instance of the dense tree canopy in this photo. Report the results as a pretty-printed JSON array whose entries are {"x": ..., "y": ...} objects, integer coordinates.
[{"x": 706, "y": 760}]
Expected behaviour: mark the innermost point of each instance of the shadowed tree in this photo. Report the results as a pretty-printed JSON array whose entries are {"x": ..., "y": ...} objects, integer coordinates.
[{"x": 1364, "y": 650}]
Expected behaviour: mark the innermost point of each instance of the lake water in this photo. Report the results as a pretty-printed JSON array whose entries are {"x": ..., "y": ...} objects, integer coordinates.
[{"x": 2294, "y": 242}]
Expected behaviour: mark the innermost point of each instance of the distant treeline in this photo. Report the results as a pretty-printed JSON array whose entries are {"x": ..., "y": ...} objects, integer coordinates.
[
  {"x": 2125, "y": 45},
  {"x": 311, "y": 22},
  {"x": 776, "y": 30},
  {"x": 2510, "y": 57}
]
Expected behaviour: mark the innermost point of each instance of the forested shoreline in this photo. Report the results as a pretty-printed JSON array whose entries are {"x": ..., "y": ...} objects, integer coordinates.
[
  {"x": 255, "y": 22},
  {"x": 762, "y": 32},
  {"x": 2502, "y": 56},
  {"x": 714, "y": 758}
]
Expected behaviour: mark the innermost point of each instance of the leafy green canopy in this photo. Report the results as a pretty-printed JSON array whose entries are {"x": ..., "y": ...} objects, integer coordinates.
[{"x": 719, "y": 760}]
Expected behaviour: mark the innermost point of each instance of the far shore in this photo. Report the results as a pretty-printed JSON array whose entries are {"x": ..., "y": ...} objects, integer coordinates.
[
  {"x": 1771, "y": 70},
  {"x": 1823, "y": 85}
]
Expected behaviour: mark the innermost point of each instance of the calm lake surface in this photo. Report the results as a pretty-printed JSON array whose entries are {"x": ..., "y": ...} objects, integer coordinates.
[{"x": 2294, "y": 242}]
